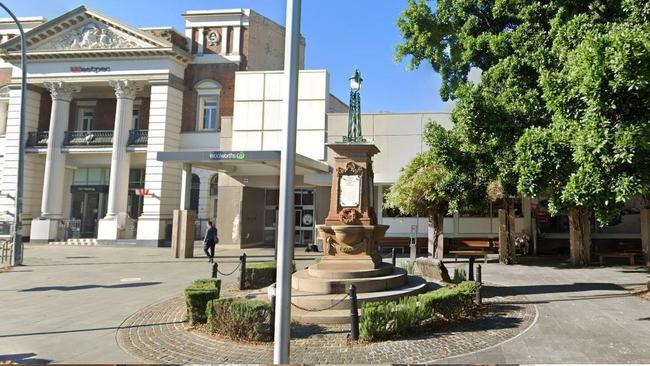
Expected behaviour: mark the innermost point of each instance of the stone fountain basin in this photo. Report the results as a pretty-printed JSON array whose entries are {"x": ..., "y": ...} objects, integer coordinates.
[{"x": 352, "y": 234}]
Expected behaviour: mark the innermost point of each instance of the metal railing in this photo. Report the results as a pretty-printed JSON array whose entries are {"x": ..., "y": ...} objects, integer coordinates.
[
  {"x": 88, "y": 138},
  {"x": 6, "y": 251},
  {"x": 37, "y": 138},
  {"x": 138, "y": 137}
]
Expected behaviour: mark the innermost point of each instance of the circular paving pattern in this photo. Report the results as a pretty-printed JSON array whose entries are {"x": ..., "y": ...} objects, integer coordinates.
[{"x": 159, "y": 334}]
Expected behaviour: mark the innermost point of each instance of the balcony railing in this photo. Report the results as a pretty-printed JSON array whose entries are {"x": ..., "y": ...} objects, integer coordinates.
[
  {"x": 37, "y": 138},
  {"x": 88, "y": 138},
  {"x": 138, "y": 137}
]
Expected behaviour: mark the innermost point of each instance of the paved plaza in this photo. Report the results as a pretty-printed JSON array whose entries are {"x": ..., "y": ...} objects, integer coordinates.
[{"x": 79, "y": 304}]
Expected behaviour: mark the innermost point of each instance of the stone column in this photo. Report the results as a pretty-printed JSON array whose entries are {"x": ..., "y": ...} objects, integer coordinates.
[
  {"x": 186, "y": 186},
  {"x": 45, "y": 228},
  {"x": 113, "y": 225}
]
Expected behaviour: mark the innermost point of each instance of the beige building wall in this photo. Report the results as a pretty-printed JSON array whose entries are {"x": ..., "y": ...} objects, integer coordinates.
[{"x": 266, "y": 44}]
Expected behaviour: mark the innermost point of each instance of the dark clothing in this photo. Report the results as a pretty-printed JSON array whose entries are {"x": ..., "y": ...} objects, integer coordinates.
[
  {"x": 209, "y": 242},
  {"x": 210, "y": 235}
]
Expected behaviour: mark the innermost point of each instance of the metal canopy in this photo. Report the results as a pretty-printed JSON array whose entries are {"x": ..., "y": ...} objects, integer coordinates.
[{"x": 240, "y": 163}]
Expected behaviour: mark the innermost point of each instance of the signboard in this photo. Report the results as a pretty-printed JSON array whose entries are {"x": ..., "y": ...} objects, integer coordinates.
[
  {"x": 93, "y": 188},
  {"x": 95, "y": 69},
  {"x": 227, "y": 155},
  {"x": 349, "y": 190}
]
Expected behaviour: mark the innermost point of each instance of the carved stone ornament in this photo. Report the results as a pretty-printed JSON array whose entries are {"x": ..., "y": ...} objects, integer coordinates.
[
  {"x": 92, "y": 35},
  {"x": 213, "y": 38},
  {"x": 124, "y": 89},
  {"x": 59, "y": 91},
  {"x": 355, "y": 248},
  {"x": 351, "y": 168},
  {"x": 350, "y": 216}
]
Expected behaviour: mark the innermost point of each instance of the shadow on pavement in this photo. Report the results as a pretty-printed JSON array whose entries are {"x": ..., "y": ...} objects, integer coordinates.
[
  {"x": 23, "y": 358},
  {"x": 551, "y": 289},
  {"x": 81, "y": 331},
  {"x": 85, "y": 287}
]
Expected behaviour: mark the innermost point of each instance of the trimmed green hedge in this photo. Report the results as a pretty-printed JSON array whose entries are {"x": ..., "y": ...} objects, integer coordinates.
[
  {"x": 240, "y": 319},
  {"x": 197, "y": 296},
  {"x": 261, "y": 274},
  {"x": 381, "y": 320}
]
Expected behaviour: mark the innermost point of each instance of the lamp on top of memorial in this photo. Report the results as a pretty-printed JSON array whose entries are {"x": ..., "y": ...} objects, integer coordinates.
[{"x": 354, "y": 116}]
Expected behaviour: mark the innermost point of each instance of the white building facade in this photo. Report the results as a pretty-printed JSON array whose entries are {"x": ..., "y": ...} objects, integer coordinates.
[{"x": 124, "y": 125}]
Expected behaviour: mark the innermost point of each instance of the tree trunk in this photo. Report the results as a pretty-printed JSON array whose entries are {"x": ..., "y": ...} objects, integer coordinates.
[
  {"x": 435, "y": 237},
  {"x": 506, "y": 234},
  {"x": 580, "y": 235},
  {"x": 645, "y": 234}
]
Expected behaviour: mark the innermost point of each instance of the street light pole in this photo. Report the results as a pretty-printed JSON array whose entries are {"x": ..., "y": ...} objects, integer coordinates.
[
  {"x": 18, "y": 224},
  {"x": 286, "y": 228}
]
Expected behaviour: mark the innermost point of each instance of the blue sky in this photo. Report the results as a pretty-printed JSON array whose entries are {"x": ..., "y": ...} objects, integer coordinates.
[{"x": 340, "y": 35}]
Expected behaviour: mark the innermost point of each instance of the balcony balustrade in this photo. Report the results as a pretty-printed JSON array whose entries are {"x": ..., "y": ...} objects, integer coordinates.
[
  {"x": 138, "y": 137},
  {"x": 37, "y": 138}
]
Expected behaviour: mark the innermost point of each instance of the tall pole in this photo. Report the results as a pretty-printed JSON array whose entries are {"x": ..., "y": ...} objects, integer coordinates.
[
  {"x": 286, "y": 226},
  {"x": 18, "y": 224}
]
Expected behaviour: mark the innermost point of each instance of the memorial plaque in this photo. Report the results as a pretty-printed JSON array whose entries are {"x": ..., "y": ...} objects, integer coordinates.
[{"x": 349, "y": 190}]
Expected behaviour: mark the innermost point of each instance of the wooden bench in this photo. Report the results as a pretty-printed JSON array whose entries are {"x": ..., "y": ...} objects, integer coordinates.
[
  {"x": 473, "y": 248},
  {"x": 622, "y": 249},
  {"x": 402, "y": 243}
]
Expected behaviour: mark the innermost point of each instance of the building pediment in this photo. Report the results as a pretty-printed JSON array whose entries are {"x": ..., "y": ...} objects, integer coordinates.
[
  {"x": 83, "y": 32},
  {"x": 91, "y": 35}
]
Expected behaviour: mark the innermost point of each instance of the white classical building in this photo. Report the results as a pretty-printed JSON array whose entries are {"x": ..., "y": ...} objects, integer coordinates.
[{"x": 126, "y": 124}]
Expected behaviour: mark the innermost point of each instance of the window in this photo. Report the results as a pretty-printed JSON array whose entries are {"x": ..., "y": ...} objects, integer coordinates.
[
  {"x": 85, "y": 118},
  {"x": 136, "y": 118},
  {"x": 209, "y": 112},
  {"x": 195, "y": 191},
  {"x": 208, "y": 94},
  {"x": 214, "y": 185}
]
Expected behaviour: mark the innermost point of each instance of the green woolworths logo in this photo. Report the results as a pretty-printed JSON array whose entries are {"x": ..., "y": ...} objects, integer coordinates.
[{"x": 227, "y": 155}]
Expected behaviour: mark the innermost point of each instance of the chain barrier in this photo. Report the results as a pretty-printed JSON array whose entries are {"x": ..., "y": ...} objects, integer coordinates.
[
  {"x": 228, "y": 274},
  {"x": 326, "y": 308}
]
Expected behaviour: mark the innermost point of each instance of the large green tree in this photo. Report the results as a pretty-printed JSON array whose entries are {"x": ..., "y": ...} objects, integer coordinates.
[{"x": 524, "y": 50}]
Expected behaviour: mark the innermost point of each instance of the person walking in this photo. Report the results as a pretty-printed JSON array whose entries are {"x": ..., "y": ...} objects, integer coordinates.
[{"x": 209, "y": 241}]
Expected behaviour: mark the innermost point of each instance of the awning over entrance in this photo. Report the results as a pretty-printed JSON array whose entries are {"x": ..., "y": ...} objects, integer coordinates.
[{"x": 239, "y": 163}]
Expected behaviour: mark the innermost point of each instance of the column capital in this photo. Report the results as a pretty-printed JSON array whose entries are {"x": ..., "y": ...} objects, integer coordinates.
[
  {"x": 124, "y": 89},
  {"x": 59, "y": 91}
]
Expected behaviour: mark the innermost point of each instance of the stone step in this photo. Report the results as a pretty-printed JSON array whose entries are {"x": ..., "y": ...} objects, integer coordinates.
[
  {"x": 82, "y": 242},
  {"x": 305, "y": 282},
  {"x": 383, "y": 270},
  {"x": 313, "y": 304}
]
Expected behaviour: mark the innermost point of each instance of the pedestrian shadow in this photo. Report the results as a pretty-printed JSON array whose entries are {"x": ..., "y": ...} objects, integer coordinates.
[
  {"x": 303, "y": 331},
  {"x": 67, "y": 331},
  {"x": 23, "y": 358},
  {"x": 86, "y": 287}
]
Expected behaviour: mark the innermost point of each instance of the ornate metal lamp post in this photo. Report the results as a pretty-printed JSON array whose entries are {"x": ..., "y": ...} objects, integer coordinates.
[
  {"x": 18, "y": 225},
  {"x": 354, "y": 117}
]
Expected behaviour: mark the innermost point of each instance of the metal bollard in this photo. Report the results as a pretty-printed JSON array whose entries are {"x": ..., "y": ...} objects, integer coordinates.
[
  {"x": 272, "y": 313},
  {"x": 479, "y": 274},
  {"x": 394, "y": 257},
  {"x": 354, "y": 313},
  {"x": 242, "y": 271},
  {"x": 470, "y": 273},
  {"x": 215, "y": 270}
]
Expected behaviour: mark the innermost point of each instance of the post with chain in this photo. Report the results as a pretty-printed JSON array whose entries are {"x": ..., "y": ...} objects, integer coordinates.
[
  {"x": 242, "y": 271},
  {"x": 470, "y": 275},
  {"x": 272, "y": 299},
  {"x": 215, "y": 270},
  {"x": 394, "y": 257},
  {"x": 354, "y": 313},
  {"x": 479, "y": 274}
]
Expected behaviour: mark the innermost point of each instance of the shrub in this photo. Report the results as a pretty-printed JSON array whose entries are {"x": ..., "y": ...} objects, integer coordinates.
[
  {"x": 460, "y": 275},
  {"x": 261, "y": 274},
  {"x": 240, "y": 319},
  {"x": 380, "y": 320},
  {"x": 197, "y": 296},
  {"x": 409, "y": 266}
]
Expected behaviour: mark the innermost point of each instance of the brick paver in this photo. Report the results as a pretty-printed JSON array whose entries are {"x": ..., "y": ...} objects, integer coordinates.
[{"x": 159, "y": 334}]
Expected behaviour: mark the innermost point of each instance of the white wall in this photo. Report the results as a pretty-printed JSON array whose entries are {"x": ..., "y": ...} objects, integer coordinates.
[{"x": 258, "y": 118}]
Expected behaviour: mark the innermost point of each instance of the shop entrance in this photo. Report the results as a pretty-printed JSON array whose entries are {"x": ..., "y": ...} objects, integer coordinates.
[
  {"x": 304, "y": 216},
  {"x": 86, "y": 210}
]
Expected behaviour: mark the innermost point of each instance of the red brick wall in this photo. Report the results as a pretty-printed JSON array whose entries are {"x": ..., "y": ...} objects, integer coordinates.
[
  {"x": 105, "y": 114},
  {"x": 224, "y": 74},
  {"x": 5, "y": 76},
  {"x": 144, "y": 113}
]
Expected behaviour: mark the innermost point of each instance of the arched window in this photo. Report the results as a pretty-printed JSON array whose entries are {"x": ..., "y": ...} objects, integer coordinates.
[
  {"x": 214, "y": 185},
  {"x": 195, "y": 191},
  {"x": 208, "y": 94}
]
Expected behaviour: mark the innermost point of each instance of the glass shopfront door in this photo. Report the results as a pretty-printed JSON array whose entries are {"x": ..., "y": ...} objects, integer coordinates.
[
  {"x": 87, "y": 208},
  {"x": 304, "y": 217}
]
